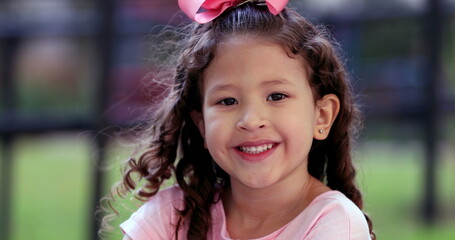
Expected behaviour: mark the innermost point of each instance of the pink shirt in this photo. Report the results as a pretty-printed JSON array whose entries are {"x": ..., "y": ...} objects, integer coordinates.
[{"x": 329, "y": 216}]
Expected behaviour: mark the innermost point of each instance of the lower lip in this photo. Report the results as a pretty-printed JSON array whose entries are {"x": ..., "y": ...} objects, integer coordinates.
[{"x": 256, "y": 157}]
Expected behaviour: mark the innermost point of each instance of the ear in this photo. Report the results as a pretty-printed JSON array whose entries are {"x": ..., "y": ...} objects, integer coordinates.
[
  {"x": 327, "y": 109},
  {"x": 198, "y": 120}
]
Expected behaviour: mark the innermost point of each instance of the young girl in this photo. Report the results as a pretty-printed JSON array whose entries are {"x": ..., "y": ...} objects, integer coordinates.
[{"x": 257, "y": 131}]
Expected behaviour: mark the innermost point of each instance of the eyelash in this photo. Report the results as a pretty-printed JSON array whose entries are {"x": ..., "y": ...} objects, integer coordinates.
[
  {"x": 232, "y": 101},
  {"x": 282, "y": 96},
  {"x": 223, "y": 101}
]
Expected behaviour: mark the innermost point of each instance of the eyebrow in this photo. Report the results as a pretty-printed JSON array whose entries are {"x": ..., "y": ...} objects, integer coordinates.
[
  {"x": 220, "y": 87},
  {"x": 228, "y": 86},
  {"x": 280, "y": 81}
]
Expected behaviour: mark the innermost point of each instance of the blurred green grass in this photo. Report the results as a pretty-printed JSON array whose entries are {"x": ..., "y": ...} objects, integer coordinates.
[{"x": 52, "y": 184}]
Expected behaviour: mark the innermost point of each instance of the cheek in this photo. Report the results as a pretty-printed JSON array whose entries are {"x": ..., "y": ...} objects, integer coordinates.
[
  {"x": 299, "y": 132},
  {"x": 217, "y": 121},
  {"x": 217, "y": 130}
]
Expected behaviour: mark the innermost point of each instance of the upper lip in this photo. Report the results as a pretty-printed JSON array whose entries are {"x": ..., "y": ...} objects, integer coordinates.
[{"x": 255, "y": 143}]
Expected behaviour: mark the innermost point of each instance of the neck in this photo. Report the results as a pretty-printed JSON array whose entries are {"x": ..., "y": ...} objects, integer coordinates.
[
  {"x": 253, "y": 213},
  {"x": 280, "y": 200}
]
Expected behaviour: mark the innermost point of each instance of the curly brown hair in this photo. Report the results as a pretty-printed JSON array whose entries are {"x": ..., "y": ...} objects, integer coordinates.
[{"x": 176, "y": 147}]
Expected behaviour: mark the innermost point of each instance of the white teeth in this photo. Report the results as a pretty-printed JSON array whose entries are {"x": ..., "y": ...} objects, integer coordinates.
[{"x": 256, "y": 149}]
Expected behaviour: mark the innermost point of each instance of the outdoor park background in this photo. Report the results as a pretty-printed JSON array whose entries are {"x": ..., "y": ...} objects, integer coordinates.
[{"x": 70, "y": 74}]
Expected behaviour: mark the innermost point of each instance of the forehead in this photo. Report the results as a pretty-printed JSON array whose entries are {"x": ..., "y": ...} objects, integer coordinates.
[
  {"x": 245, "y": 62},
  {"x": 246, "y": 53},
  {"x": 231, "y": 42},
  {"x": 252, "y": 42}
]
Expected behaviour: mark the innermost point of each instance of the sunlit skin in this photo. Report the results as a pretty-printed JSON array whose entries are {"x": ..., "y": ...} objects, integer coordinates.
[{"x": 259, "y": 118}]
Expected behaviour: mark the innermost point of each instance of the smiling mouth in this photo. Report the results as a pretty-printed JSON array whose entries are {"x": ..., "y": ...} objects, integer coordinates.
[{"x": 256, "y": 149}]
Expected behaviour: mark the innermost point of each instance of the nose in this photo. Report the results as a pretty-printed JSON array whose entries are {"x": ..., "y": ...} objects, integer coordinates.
[{"x": 252, "y": 118}]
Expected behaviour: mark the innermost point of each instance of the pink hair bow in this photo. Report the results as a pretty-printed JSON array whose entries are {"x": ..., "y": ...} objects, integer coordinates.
[{"x": 215, "y": 7}]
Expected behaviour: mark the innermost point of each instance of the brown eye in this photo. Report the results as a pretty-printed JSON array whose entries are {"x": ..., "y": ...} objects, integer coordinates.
[
  {"x": 228, "y": 101},
  {"x": 276, "y": 97}
]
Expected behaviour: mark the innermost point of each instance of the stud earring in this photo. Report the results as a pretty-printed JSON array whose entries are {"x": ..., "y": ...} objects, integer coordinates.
[{"x": 321, "y": 130}]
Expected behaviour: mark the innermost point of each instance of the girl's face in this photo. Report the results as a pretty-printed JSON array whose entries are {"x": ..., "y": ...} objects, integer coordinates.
[{"x": 259, "y": 117}]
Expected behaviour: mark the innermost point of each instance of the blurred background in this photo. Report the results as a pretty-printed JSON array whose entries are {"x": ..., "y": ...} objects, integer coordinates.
[{"x": 70, "y": 79}]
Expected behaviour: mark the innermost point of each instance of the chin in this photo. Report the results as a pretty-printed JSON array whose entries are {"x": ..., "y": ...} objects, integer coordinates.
[{"x": 258, "y": 183}]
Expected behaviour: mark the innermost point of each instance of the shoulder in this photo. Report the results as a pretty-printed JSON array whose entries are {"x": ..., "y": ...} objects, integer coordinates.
[
  {"x": 163, "y": 204},
  {"x": 331, "y": 215},
  {"x": 156, "y": 218},
  {"x": 171, "y": 197},
  {"x": 338, "y": 217}
]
